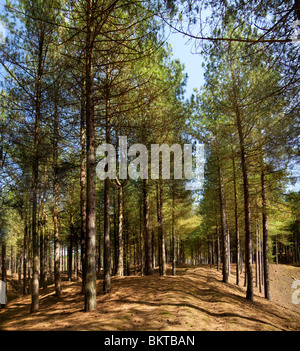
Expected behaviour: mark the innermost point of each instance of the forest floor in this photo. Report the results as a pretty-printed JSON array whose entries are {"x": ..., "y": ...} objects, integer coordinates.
[{"x": 194, "y": 300}]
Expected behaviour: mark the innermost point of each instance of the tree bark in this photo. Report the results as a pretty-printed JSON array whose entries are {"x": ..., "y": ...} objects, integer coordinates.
[
  {"x": 248, "y": 237},
  {"x": 161, "y": 232},
  {"x": 25, "y": 290},
  {"x": 265, "y": 236},
  {"x": 35, "y": 177},
  {"x": 83, "y": 188},
  {"x": 57, "y": 274},
  {"x": 244, "y": 165},
  {"x": 224, "y": 226},
  {"x": 237, "y": 229},
  {"x": 148, "y": 246},
  {"x": 90, "y": 283},
  {"x": 120, "y": 268},
  {"x": 70, "y": 249},
  {"x": 173, "y": 233},
  {"x": 107, "y": 251}
]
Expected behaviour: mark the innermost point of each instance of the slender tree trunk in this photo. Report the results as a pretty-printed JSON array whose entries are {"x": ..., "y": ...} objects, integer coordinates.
[
  {"x": 120, "y": 271},
  {"x": 29, "y": 257},
  {"x": 83, "y": 188},
  {"x": 57, "y": 274},
  {"x": 50, "y": 253},
  {"x": 259, "y": 260},
  {"x": 75, "y": 256},
  {"x": 12, "y": 261},
  {"x": 127, "y": 248},
  {"x": 41, "y": 235},
  {"x": 125, "y": 243},
  {"x": 70, "y": 250},
  {"x": 148, "y": 246},
  {"x": 162, "y": 226},
  {"x": 35, "y": 177},
  {"x": 134, "y": 255},
  {"x": 90, "y": 283},
  {"x": 99, "y": 249},
  {"x": 161, "y": 233},
  {"x": 173, "y": 233},
  {"x": 43, "y": 271},
  {"x": 224, "y": 226},
  {"x": 237, "y": 229},
  {"x": 154, "y": 249},
  {"x": 141, "y": 242},
  {"x": 115, "y": 246},
  {"x": 19, "y": 270},
  {"x": 218, "y": 243},
  {"x": 107, "y": 243},
  {"x": 248, "y": 238},
  {"x": 265, "y": 236},
  {"x": 45, "y": 248},
  {"x": 35, "y": 252},
  {"x": 25, "y": 290}
]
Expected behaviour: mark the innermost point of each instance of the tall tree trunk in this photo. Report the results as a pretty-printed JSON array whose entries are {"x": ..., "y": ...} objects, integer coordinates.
[
  {"x": 99, "y": 248},
  {"x": 70, "y": 249},
  {"x": 153, "y": 249},
  {"x": 25, "y": 290},
  {"x": 224, "y": 226},
  {"x": 57, "y": 274},
  {"x": 75, "y": 244},
  {"x": 141, "y": 241},
  {"x": 237, "y": 229},
  {"x": 45, "y": 248},
  {"x": 107, "y": 251},
  {"x": 218, "y": 247},
  {"x": 90, "y": 283},
  {"x": 83, "y": 188},
  {"x": 35, "y": 177},
  {"x": 248, "y": 237},
  {"x": 161, "y": 232},
  {"x": 29, "y": 256},
  {"x": 115, "y": 242},
  {"x": 19, "y": 270},
  {"x": 259, "y": 261},
  {"x": 173, "y": 232},
  {"x": 265, "y": 235},
  {"x": 35, "y": 250},
  {"x": 218, "y": 240},
  {"x": 120, "y": 270},
  {"x": 43, "y": 268},
  {"x": 148, "y": 246}
]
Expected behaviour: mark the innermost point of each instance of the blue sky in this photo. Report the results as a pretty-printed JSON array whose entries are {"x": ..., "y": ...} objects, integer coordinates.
[{"x": 182, "y": 49}]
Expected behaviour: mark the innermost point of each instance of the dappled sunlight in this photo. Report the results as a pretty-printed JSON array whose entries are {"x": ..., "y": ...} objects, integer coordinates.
[{"x": 196, "y": 299}]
